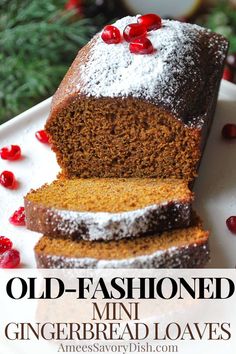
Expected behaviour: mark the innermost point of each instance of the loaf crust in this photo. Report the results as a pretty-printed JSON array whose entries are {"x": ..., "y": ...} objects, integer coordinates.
[
  {"x": 193, "y": 255},
  {"x": 190, "y": 97},
  {"x": 107, "y": 226}
]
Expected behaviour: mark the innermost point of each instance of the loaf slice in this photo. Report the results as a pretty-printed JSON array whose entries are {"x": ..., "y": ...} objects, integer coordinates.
[
  {"x": 117, "y": 114},
  {"x": 183, "y": 248},
  {"x": 106, "y": 209}
]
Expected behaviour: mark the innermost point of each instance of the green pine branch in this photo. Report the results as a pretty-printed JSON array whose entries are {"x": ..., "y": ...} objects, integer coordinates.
[
  {"x": 38, "y": 41},
  {"x": 222, "y": 19}
]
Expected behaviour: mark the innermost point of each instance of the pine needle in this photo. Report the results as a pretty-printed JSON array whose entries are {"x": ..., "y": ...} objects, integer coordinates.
[{"x": 38, "y": 41}]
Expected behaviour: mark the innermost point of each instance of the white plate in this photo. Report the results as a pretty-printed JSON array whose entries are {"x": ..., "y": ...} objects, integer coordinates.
[{"x": 215, "y": 188}]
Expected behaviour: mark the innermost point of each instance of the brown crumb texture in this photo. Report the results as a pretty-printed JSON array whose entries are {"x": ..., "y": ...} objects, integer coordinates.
[
  {"x": 123, "y": 138},
  {"x": 110, "y": 195}
]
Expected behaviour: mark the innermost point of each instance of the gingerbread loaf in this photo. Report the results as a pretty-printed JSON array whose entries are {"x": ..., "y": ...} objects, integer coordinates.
[
  {"x": 108, "y": 209},
  {"x": 117, "y": 114},
  {"x": 183, "y": 248}
]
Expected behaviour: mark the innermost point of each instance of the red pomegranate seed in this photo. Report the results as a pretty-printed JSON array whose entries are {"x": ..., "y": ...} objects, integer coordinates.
[
  {"x": 228, "y": 74},
  {"x": 150, "y": 21},
  {"x": 74, "y": 5},
  {"x": 18, "y": 218},
  {"x": 5, "y": 244},
  {"x": 141, "y": 46},
  {"x": 11, "y": 153},
  {"x": 229, "y": 131},
  {"x": 231, "y": 224},
  {"x": 42, "y": 136},
  {"x": 7, "y": 179},
  {"x": 111, "y": 35},
  {"x": 134, "y": 31},
  {"x": 10, "y": 259}
]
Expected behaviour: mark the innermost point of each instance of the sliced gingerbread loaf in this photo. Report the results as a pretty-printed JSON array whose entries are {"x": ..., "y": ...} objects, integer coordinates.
[
  {"x": 184, "y": 248},
  {"x": 106, "y": 209},
  {"x": 118, "y": 114}
]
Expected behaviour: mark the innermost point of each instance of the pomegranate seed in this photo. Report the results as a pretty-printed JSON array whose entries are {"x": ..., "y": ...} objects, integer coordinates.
[
  {"x": 150, "y": 21},
  {"x": 42, "y": 136},
  {"x": 231, "y": 60},
  {"x": 18, "y": 218},
  {"x": 7, "y": 179},
  {"x": 231, "y": 224},
  {"x": 229, "y": 131},
  {"x": 134, "y": 31},
  {"x": 141, "y": 46},
  {"x": 228, "y": 74},
  {"x": 5, "y": 244},
  {"x": 74, "y": 5},
  {"x": 11, "y": 153},
  {"x": 10, "y": 259},
  {"x": 111, "y": 35}
]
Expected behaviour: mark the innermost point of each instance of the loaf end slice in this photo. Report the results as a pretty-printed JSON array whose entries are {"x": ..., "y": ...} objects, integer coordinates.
[
  {"x": 183, "y": 248},
  {"x": 106, "y": 209}
]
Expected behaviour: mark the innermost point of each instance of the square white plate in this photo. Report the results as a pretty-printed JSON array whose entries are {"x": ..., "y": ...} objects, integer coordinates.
[{"x": 215, "y": 188}]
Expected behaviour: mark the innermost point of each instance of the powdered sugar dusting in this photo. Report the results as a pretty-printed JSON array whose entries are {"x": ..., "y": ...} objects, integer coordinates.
[
  {"x": 189, "y": 256},
  {"x": 112, "y": 71},
  {"x": 110, "y": 226},
  {"x": 107, "y": 226}
]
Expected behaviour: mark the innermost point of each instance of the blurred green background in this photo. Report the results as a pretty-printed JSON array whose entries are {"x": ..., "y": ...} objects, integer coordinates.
[{"x": 40, "y": 38}]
